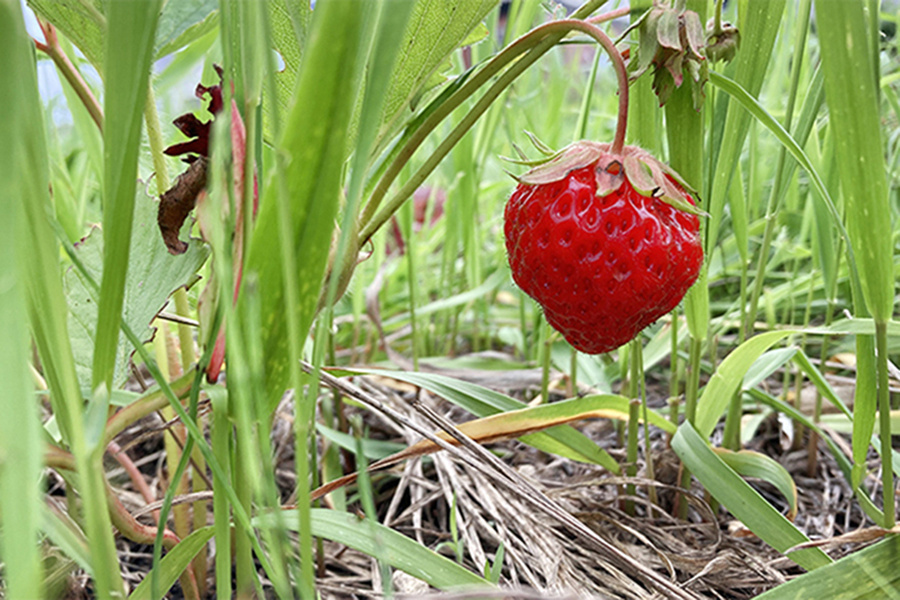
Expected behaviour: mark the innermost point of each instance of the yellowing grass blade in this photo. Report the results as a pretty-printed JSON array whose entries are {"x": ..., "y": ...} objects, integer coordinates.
[
  {"x": 482, "y": 402},
  {"x": 511, "y": 425}
]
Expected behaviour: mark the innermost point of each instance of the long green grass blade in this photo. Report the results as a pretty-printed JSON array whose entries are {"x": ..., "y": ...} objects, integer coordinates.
[
  {"x": 729, "y": 376},
  {"x": 759, "y": 28},
  {"x": 314, "y": 144},
  {"x": 743, "y": 501},
  {"x": 47, "y": 313},
  {"x": 132, "y": 26},
  {"x": 852, "y": 95},
  {"x": 398, "y": 550},
  {"x": 870, "y": 574},
  {"x": 562, "y": 440},
  {"x": 754, "y": 464},
  {"x": 20, "y": 431},
  {"x": 174, "y": 563},
  {"x": 764, "y": 118}
]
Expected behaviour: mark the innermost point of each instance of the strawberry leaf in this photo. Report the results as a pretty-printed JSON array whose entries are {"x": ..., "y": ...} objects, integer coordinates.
[{"x": 153, "y": 275}]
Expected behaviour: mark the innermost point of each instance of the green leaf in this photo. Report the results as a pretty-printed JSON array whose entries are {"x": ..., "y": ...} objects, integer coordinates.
[
  {"x": 47, "y": 314},
  {"x": 753, "y": 464},
  {"x": 851, "y": 90},
  {"x": 289, "y": 24},
  {"x": 67, "y": 536},
  {"x": 436, "y": 28},
  {"x": 817, "y": 379},
  {"x": 82, "y": 21},
  {"x": 753, "y": 106},
  {"x": 153, "y": 276},
  {"x": 765, "y": 365},
  {"x": 742, "y": 500},
  {"x": 132, "y": 26},
  {"x": 560, "y": 440},
  {"x": 174, "y": 563},
  {"x": 397, "y": 550},
  {"x": 21, "y": 445},
  {"x": 855, "y": 326},
  {"x": 182, "y": 22},
  {"x": 759, "y": 28},
  {"x": 314, "y": 145},
  {"x": 372, "y": 449},
  {"x": 729, "y": 376},
  {"x": 869, "y": 574}
]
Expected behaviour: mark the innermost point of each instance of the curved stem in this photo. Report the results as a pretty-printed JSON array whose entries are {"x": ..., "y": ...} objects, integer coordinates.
[
  {"x": 609, "y": 16},
  {"x": 52, "y": 49},
  {"x": 145, "y": 405},
  {"x": 370, "y": 222},
  {"x": 122, "y": 520}
]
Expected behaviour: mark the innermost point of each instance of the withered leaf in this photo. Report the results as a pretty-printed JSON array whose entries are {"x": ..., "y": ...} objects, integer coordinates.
[{"x": 177, "y": 203}]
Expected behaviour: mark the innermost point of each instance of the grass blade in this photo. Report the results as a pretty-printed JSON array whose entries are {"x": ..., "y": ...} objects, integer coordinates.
[
  {"x": 398, "y": 550},
  {"x": 483, "y": 402},
  {"x": 729, "y": 376},
  {"x": 852, "y": 95},
  {"x": 132, "y": 25},
  {"x": 759, "y": 23},
  {"x": 315, "y": 144},
  {"x": 743, "y": 501},
  {"x": 868, "y": 574},
  {"x": 20, "y": 430},
  {"x": 174, "y": 563}
]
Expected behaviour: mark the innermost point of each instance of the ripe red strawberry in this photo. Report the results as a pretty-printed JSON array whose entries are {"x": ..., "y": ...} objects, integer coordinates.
[{"x": 605, "y": 243}]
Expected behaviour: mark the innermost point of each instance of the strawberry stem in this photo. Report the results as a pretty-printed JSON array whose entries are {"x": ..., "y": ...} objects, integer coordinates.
[
  {"x": 534, "y": 44},
  {"x": 618, "y": 63}
]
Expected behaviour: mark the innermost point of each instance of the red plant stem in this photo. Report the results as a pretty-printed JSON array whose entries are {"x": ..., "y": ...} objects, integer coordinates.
[
  {"x": 122, "y": 520},
  {"x": 613, "y": 14},
  {"x": 137, "y": 478},
  {"x": 618, "y": 63},
  {"x": 52, "y": 49}
]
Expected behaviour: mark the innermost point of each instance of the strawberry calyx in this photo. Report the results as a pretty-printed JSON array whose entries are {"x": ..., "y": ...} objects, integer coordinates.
[{"x": 648, "y": 176}]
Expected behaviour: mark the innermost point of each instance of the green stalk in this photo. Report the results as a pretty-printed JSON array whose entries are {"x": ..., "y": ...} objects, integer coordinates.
[
  {"x": 634, "y": 407},
  {"x": 776, "y": 193},
  {"x": 854, "y": 109},
  {"x": 546, "y": 340},
  {"x": 221, "y": 436},
  {"x": 407, "y": 218},
  {"x": 690, "y": 412},
  {"x": 21, "y": 434},
  {"x": 884, "y": 414},
  {"x": 585, "y": 111},
  {"x": 644, "y": 114},
  {"x": 684, "y": 132}
]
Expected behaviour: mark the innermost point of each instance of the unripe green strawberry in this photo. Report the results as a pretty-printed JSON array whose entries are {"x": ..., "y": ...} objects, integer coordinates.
[{"x": 605, "y": 243}]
